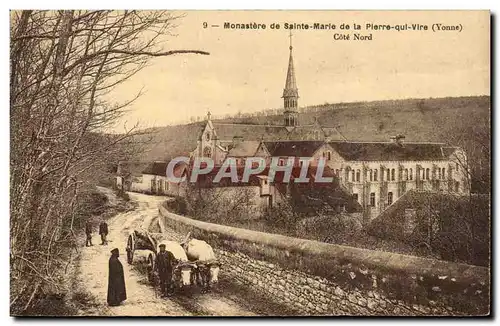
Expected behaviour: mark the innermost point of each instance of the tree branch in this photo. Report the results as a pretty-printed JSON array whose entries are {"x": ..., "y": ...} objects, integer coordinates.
[{"x": 131, "y": 53}]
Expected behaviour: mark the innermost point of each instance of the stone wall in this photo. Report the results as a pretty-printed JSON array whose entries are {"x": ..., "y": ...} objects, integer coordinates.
[{"x": 323, "y": 279}]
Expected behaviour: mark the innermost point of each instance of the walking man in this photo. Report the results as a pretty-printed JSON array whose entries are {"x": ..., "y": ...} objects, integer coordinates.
[
  {"x": 103, "y": 232},
  {"x": 88, "y": 233},
  {"x": 164, "y": 262},
  {"x": 116, "y": 280}
]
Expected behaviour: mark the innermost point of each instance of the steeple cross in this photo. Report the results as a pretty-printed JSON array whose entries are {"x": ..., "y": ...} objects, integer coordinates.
[{"x": 290, "y": 39}]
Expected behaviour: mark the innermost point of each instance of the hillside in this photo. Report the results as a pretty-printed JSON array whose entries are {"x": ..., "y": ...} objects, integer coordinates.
[
  {"x": 417, "y": 119},
  {"x": 460, "y": 121}
]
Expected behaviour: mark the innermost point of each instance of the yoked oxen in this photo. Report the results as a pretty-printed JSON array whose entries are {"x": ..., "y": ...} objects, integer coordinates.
[
  {"x": 182, "y": 269},
  {"x": 202, "y": 254}
]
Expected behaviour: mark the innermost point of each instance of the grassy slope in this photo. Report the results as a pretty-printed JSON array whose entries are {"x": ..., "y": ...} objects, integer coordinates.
[
  {"x": 458, "y": 121},
  {"x": 442, "y": 120},
  {"x": 418, "y": 119}
]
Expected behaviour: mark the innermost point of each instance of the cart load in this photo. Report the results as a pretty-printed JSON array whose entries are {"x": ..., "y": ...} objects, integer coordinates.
[{"x": 142, "y": 240}]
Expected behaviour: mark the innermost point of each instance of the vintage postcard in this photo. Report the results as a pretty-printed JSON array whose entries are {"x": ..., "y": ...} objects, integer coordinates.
[{"x": 250, "y": 163}]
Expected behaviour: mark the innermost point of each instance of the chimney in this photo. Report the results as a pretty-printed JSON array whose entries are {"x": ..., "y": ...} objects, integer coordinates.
[
  {"x": 398, "y": 139},
  {"x": 237, "y": 140}
]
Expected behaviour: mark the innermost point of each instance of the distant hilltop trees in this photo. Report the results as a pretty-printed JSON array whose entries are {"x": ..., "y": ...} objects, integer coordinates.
[
  {"x": 272, "y": 112},
  {"x": 420, "y": 104}
]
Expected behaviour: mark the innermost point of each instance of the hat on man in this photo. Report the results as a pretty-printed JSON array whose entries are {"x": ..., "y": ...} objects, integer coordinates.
[
  {"x": 115, "y": 251},
  {"x": 162, "y": 245}
]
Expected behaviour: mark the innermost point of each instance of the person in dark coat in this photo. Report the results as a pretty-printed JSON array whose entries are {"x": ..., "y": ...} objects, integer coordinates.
[
  {"x": 88, "y": 233},
  {"x": 116, "y": 280},
  {"x": 103, "y": 231},
  {"x": 164, "y": 267}
]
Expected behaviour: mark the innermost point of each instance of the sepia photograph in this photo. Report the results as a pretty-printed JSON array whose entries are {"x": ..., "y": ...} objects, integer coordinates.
[{"x": 250, "y": 163}]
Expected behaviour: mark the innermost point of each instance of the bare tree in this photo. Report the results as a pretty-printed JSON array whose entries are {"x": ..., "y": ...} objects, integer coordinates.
[
  {"x": 62, "y": 66},
  {"x": 454, "y": 226},
  {"x": 221, "y": 204}
]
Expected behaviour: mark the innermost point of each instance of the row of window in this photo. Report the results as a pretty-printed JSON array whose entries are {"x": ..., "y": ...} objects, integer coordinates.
[
  {"x": 373, "y": 175},
  {"x": 158, "y": 185},
  {"x": 290, "y": 121},
  {"x": 390, "y": 198},
  {"x": 290, "y": 103},
  {"x": 327, "y": 155},
  {"x": 391, "y": 174},
  {"x": 207, "y": 152},
  {"x": 282, "y": 161},
  {"x": 440, "y": 174}
]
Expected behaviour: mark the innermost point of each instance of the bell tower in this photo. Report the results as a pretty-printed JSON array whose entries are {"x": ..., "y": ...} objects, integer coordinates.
[{"x": 291, "y": 93}]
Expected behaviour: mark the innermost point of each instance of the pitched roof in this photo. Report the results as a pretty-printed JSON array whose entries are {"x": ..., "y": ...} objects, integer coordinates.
[
  {"x": 387, "y": 151},
  {"x": 293, "y": 148},
  {"x": 227, "y": 131},
  {"x": 128, "y": 168},
  {"x": 448, "y": 151},
  {"x": 180, "y": 169},
  {"x": 296, "y": 171},
  {"x": 165, "y": 143},
  {"x": 244, "y": 149},
  {"x": 160, "y": 169},
  {"x": 291, "y": 83},
  {"x": 156, "y": 168},
  {"x": 206, "y": 180}
]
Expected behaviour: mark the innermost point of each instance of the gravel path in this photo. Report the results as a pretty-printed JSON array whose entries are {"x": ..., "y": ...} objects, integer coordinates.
[{"x": 92, "y": 275}]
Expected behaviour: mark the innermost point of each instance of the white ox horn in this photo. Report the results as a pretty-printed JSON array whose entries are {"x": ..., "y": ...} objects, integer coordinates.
[
  {"x": 187, "y": 237},
  {"x": 185, "y": 264}
]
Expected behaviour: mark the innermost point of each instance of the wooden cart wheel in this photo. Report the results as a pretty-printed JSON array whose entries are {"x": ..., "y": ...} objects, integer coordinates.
[{"x": 130, "y": 249}]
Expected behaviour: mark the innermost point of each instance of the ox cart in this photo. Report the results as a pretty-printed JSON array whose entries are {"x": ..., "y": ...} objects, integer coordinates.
[{"x": 148, "y": 243}]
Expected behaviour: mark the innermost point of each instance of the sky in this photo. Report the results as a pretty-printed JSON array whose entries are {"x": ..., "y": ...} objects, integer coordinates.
[{"x": 246, "y": 69}]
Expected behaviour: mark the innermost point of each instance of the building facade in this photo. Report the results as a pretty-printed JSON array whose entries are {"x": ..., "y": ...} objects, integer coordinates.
[
  {"x": 378, "y": 174},
  {"x": 375, "y": 174}
]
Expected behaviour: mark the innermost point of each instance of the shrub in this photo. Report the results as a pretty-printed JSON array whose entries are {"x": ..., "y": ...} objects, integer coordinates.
[
  {"x": 333, "y": 228},
  {"x": 281, "y": 216},
  {"x": 122, "y": 194},
  {"x": 178, "y": 205},
  {"x": 89, "y": 202}
]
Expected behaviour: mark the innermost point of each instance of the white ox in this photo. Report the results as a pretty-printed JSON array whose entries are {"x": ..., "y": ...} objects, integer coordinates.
[
  {"x": 207, "y": 266},
  {"x": 183, "y": 268}
]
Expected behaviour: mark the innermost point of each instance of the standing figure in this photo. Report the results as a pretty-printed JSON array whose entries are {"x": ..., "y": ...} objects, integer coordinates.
[
  {"x": 164, "y": 267},
  {"x": 88, "y": 233},
  {"x": 103, "y": 231},
  {"x": 116, "y": 280}
]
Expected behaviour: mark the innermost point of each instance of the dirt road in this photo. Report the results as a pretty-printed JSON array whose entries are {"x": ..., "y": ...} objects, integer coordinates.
[{"x": 92, "y": 276}]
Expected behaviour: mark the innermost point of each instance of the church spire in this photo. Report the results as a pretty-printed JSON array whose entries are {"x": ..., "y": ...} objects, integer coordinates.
[
  {"x": 290, "y": 84},
  {"x": 290, "y": 92}
]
